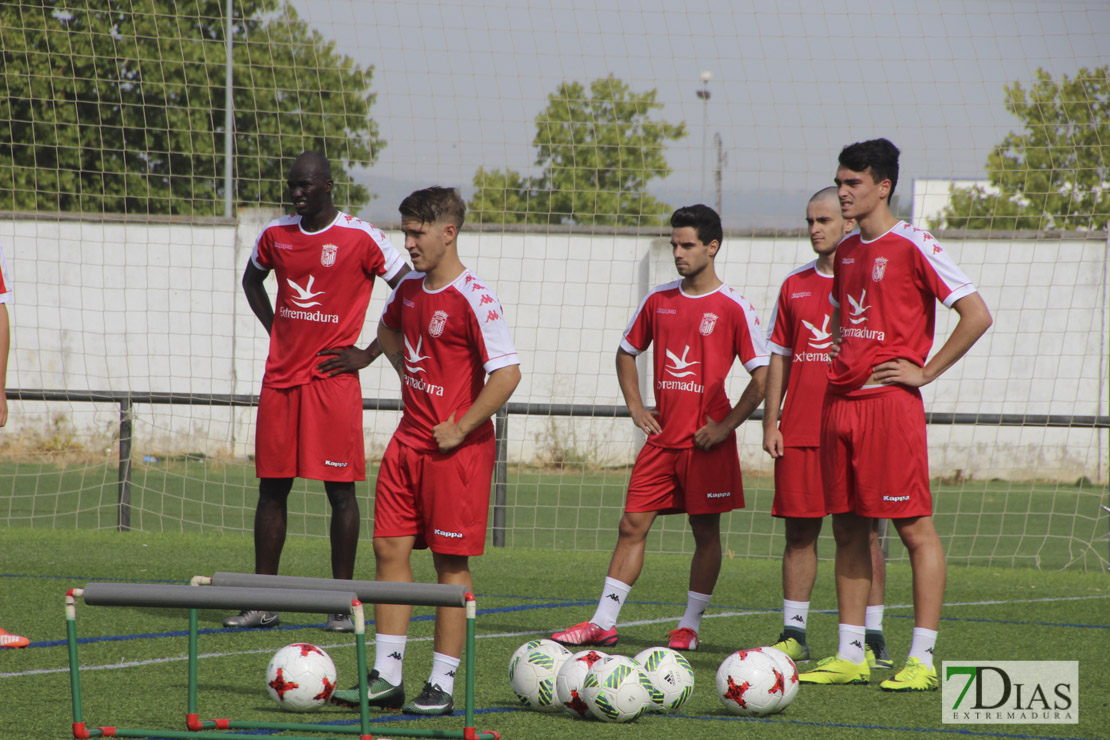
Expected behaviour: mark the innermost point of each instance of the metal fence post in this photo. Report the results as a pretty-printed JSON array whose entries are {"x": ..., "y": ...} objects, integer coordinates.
[
  {"x": 125, "y": 465},
  {"x": 500, "y": 476}
]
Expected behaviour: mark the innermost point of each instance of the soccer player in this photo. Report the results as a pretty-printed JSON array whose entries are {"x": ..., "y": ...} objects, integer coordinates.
[
  {"x": 799, "y": 342},
  {"x": 444, "y": 331},
  {"x": 689, "y": 463},
  {"x": 310, "y": 408},
  {"x": 7, "y": 639},
  {"x": 874, "y": 457}
]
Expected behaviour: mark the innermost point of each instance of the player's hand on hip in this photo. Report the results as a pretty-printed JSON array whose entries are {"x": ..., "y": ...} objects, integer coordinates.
[
  {"x": 447, "y": 434},
  {"x": 772, "y": 443},
  {"x": 342, "y": 360},
  {"x": 834, "y": 349},
  {"x": 901, "y": 371},
  {"x": 710, "y": 434},
  {"x": 647, "y": 421}
]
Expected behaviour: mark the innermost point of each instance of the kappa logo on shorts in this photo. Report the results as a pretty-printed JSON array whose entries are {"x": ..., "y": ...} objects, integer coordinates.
[
  {"x": 333, "y": 464},
  {"x": 722, "y": 494},
  {"x": 895, "y": 499},
  {"x": 449, "y": 535}
]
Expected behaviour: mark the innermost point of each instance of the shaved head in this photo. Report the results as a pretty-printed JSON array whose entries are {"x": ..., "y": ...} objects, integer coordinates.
[
  {"x": 314, "y": 164},
  {"x": 828, "y": 193}
]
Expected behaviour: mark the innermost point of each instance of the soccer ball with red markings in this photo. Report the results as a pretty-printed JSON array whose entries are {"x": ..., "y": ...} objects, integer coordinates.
[
  {"x": 568, "y": 684},
  {"x": 750, "y": 683},
  {"x": 301, "y": 677},
  {"x": 533, "y": 669},
  {"x": 789, "y": 674}
]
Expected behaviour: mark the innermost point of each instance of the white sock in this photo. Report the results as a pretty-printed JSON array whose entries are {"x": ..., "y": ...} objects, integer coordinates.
[
  {"x": 609, "y": 607},
  {"x": 794, "y": 614},
  {"x": 851, "y": 642},
  {"x": 874, "y": 619},
  {"x": 695, "y": 607},
  {"x": 443, "y": 672},
  {"x": 922, "y": 645},
  {"x": 389, "y": 657}
]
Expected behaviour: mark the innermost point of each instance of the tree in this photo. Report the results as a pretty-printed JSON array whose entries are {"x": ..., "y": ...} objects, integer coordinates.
[
  {"x": 597, "y": 150},
  {"x": 1055, "y": 175},
  {"x": 119, "y": 107}
]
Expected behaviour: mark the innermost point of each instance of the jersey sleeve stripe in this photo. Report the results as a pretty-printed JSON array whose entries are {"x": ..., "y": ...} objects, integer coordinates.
[{"x": 778, "y": 349}]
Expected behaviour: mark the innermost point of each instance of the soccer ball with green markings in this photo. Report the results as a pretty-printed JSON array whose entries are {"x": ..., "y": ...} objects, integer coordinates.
[
  {"x": 616, "y": 690},
  {"x": 532, "y": 672},
  {"x": 672, "y": 678}
]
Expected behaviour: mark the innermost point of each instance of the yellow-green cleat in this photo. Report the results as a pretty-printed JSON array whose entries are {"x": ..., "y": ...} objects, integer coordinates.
[
  {"x": 835, "y": 670},
  {"x": 796, "y": 650},
  {"x": 916, "y": 676},
  {"x": 875, "y": 661}
]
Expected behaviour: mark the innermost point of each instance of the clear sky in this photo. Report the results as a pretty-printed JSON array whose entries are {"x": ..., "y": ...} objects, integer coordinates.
[{"x": 459, "y": 83}]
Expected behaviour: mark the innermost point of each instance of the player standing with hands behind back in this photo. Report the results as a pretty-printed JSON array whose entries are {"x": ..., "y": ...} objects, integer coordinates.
[
  {"x": 690, "y": 461},
  {"x": 444, "y": 331},
  {"x": 887, "y": 277},
  {"x": 799, "y": 342}
]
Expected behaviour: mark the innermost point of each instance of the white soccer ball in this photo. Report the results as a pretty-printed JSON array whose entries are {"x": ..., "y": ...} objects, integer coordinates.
[
  {"x": 750, "y": 683},
  {"x": 671, "y": 677},
  {"x": 532, "y": 672},
  {"x": 568, "y": 684},
  {"x": 789, "y": 674},
  {"x": 301, "y": 677},
  {"x": 616, "y": 690}
]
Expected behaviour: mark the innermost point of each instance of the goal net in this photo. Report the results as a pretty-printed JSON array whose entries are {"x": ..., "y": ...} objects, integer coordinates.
[{"x": 572, "y": 130}]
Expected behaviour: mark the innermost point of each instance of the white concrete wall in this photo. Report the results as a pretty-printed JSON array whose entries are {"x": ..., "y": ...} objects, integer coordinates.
[{"x": 158, "y": 307}]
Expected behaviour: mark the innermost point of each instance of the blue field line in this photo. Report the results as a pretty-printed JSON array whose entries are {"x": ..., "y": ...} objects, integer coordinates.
[{"x": 398, "y": 718}]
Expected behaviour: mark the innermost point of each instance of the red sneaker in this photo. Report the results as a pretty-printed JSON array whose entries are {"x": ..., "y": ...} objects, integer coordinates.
[
  {"x": 683, "y": 638},
  {"x": 587, "y": 633},
  {"x": 8, "y": 640}
]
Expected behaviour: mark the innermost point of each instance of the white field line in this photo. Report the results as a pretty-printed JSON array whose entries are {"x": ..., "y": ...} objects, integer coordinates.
[{"x": 502, "y": 635}]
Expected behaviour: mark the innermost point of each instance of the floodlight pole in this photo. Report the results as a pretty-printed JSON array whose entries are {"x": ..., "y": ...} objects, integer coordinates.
[
  {"x": 704, "y": 94},
  {"x": 722, "y": 158},
  {"x": 229, "y": 114}
]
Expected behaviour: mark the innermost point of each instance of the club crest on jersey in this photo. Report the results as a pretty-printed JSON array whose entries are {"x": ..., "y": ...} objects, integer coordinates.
[
  {"x": 439, "y": 320},
  {"x": 327, "y": 255},
  {"x": 708, "y": 321},
  {"x": 878, "y": 269}
]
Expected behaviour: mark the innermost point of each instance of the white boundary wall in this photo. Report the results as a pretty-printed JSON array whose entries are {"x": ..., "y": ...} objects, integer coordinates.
[{"x": 119, "y": 305}]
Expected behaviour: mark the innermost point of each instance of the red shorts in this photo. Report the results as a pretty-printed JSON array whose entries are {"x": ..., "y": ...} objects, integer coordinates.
[
  {"x": 874, "y": 455},
  {"x": 311, "y": 431},
  {"x": 798, "y": 490},
  {"x": 689, "y": 480},
  {"x": 441, "y": 499}
]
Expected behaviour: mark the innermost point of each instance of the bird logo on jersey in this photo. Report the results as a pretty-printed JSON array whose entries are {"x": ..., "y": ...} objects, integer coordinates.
[
  {"x": 327, "y": 255},
  {"x": 708, "y": 321},
  {"x": 680, "y": 364},
  {"x": 858, "y": 309},
  {"x": 822, "y": 338},
  {"x": 305, "y": 294},
  {"x": 413, "y": 356},
  {"x": 439, "y": 320},
  {"x": 878, "y": 269}
]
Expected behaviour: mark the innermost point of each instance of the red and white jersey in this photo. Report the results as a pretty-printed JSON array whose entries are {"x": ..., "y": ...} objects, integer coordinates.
[
  {"x": 5, "y": 281},
  {"x": 800, "y": 330},
  {"x": 885, "y": 290},
  {"x": 696, "y": 338},
  {"x": 453, "y": 338},
  {"x": 324, "y": 282}
]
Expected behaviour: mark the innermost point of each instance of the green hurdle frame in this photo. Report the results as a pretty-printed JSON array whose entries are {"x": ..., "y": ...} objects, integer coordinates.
[{"x": 233, "y": 591}]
